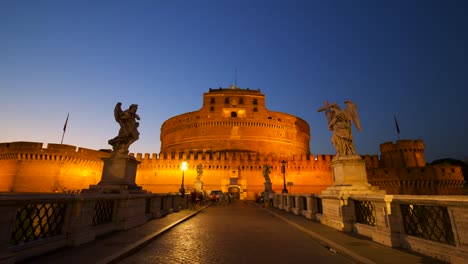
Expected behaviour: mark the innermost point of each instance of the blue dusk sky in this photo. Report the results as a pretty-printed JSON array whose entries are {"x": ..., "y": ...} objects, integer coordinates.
[{"x": 405, "y": 58}]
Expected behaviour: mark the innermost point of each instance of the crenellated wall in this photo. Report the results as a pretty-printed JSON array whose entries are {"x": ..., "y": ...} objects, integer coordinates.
[
  {"x": 244, "y": 170},
  {"x": 28, "y": 167},
  {"x": 402, "y": 170},
  {"x": 434, "y": 180}
]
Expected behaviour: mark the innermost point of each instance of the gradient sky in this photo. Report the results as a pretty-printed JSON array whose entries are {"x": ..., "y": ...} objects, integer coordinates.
[{"x": 404, "y": 58}]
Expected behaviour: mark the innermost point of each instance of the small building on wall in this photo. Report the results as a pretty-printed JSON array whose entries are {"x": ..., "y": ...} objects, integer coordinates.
[{"x": 230, "y": 138}]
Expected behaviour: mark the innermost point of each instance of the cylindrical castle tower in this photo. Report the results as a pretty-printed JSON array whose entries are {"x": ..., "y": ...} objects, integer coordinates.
[
  {"x": 405, "y": 153},
  {"x": 236, "y": 120}
]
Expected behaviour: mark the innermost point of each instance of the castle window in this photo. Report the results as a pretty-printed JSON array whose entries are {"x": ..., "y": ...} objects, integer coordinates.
[
  {"x": 255, "y": 102},
  {"x": 212, "y": 100},
  {"x": 212, "y": 109},
  {"x": 241, "y": 100},
  {"x": 226, "y": 100},
  {"x": 233, "y": 114},
  {"x": 255, "y": 109}
]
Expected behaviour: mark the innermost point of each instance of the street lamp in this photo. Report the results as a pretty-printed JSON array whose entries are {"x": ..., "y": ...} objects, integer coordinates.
[
  {"x": 184, "y": 167},
  {"x": 283, "y": 171}
]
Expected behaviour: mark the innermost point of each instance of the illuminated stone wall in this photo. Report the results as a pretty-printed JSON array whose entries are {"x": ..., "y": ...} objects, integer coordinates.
[{"x": 28, "y": 167}]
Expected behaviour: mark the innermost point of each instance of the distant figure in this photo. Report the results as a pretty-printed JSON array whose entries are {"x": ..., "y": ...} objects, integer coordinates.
[
  {"x": 199, "y": 171},
  {"x": 270, "y": 197},
  {"x": 128, "y": 132},
  {"x": 339, "y": 121}
]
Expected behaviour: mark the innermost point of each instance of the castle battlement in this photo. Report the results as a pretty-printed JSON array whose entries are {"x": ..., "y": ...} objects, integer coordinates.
[
  {"x": 230, "y": 157},
  {"x": 53, "y": 152},
  {"x": 442, "y": 173},
  {"x": 403, "y": 153},
  {"x": 372, "y": 161}
]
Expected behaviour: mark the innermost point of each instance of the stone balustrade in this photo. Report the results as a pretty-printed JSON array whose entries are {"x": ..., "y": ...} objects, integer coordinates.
[
  {"x": 33, "y": 224},
  {"x": 434, "y": 226}
]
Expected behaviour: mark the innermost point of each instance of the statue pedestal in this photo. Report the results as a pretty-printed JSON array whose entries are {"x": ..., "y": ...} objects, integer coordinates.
[
  {"x": 198, "y": 185},
  {"x": 350, "y": 178},
  {"x": 118, "y": 176},
  {"x": 266, "y": 193}
]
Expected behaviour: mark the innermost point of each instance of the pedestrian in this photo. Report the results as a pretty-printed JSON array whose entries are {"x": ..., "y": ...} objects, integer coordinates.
[{"x": 271, "y": 196}]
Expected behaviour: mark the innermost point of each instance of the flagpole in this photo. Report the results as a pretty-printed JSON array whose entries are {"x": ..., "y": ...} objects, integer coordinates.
[
  {"x": 64, "y": 128},
  {"x": 397, "y": 127}
]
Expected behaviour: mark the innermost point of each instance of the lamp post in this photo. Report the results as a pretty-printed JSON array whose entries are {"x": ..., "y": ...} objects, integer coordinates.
[
  {"x": 283, "y": 171},
  {"x": 184, "y": 167}
]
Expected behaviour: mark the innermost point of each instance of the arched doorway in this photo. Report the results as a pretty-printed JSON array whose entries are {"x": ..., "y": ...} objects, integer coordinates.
[{"x": 235, "y": 191}]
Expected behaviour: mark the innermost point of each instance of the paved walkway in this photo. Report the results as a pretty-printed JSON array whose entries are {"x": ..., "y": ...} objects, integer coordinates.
[
  {"x": 115, "y": 247},
  {"x": 234, "y": 234}
]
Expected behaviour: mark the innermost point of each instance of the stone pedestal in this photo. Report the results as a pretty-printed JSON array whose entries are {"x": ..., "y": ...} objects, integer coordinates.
[
  {"x": 350, "y": 177},
  {"x": 198, "y": 185},
  {"x": 349, "y": 174},
  {"x": 118, "y": 176},
  {"x": 266, "y": 193}
]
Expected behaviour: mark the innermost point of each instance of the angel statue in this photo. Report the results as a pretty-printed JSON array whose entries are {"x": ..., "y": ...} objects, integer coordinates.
[
  {"x": 128, "y": 132},
  {"x": 266, "y": 172},
  {"x": 199, "y": 171},
  {"x": 339, "y": 121}
]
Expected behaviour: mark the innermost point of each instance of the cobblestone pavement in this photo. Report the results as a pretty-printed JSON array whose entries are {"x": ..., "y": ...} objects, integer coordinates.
[{"x": 235, "y": 233}]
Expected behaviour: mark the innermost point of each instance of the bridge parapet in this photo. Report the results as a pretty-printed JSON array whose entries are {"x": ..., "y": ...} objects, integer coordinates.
[
  {"x": 432, "y": 225},
  {"x": 34, "y": 224}
]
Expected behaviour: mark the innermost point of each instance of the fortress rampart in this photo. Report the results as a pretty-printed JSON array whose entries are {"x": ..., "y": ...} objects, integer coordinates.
[
  {"x": 440, "y": 180},
  {"x": 28, "y": 167}
]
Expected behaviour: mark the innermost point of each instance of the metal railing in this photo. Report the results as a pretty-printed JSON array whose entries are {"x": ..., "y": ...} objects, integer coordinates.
[
  {"x": 37, "y": 221},
  {"x": 103, "y": 212},
  {"x": 427, "y": 222},
  {"x": 365, "y": 212}
]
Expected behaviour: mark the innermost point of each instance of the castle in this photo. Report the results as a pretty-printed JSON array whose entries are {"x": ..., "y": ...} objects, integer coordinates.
[{"x": 230, "y": 138}]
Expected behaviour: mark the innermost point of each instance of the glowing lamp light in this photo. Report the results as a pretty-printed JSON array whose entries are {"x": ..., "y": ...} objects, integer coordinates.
[{"x": 184, "y": 168}]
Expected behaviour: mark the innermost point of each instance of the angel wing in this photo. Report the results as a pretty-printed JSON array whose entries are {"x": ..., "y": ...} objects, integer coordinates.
[
  {"x": 118, "y": 111},
  {"x": 117, "y": 115},
  {"x": 352, "y": 113}
]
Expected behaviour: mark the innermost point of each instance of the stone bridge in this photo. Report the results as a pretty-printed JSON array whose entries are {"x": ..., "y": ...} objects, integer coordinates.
[{"x": 35, "y": 224}]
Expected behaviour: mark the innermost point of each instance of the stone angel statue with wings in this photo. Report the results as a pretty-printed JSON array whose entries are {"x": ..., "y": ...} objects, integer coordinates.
[
  {"x": 339, "y": 121},
  {"x": 128, "y": 132}
]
